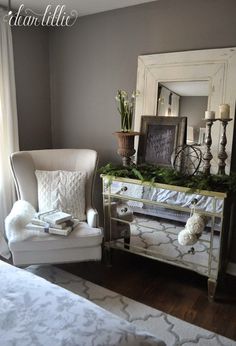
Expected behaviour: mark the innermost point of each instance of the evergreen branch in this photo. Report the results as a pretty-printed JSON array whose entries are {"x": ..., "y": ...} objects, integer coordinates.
[{"x": 162, "y": 175}]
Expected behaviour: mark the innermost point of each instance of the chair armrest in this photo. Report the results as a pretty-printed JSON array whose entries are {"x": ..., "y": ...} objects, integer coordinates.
[{"x": 92, "y": 217}]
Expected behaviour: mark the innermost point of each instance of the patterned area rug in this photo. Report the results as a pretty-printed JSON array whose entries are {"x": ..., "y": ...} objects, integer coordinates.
[{"x": 173, "y": 331}]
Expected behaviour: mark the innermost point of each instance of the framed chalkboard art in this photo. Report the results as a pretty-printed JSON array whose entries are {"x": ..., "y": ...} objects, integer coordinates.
[{"x": 160, "y": 136}]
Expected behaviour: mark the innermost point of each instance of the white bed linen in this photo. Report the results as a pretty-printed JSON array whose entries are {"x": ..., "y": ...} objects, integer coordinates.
[{"x": 35, "y": 312}]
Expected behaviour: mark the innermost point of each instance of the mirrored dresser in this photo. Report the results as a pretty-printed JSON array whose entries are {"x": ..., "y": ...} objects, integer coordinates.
[{"x": 145, "y": 219}]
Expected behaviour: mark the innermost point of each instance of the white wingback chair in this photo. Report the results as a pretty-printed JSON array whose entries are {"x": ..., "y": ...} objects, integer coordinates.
[{"x": 84, "y": 242}]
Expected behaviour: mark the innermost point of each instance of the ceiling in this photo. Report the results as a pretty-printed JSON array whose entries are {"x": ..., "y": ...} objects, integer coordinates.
[
  {"x": 83, "y": 7},
  {"x": 188, "y": 88}
]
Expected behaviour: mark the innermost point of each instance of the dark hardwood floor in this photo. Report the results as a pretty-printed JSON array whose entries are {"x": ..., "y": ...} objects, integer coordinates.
[{"x": 176, "y": 291}]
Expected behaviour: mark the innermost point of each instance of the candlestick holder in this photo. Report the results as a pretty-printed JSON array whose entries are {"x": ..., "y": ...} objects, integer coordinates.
[
  {"x": 222, "y": 155},
  {"x": 207, "y": 157}
]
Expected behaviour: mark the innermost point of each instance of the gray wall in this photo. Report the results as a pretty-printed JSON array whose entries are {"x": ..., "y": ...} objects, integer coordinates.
[
  {"x": 98, "y": 55},
  {"x": 31, "y": 58},
  {"x": 194, "y": 108}
]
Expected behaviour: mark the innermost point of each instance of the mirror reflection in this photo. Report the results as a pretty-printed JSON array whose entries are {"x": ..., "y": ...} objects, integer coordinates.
[{"x": 185, "y": 99}]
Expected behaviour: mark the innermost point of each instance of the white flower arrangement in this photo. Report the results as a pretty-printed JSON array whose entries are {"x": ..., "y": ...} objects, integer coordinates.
[{"x": 125, "y": 107}]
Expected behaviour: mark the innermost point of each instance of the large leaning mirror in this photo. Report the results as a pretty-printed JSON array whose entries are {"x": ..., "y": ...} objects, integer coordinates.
[{"x": 188, "y": 84}]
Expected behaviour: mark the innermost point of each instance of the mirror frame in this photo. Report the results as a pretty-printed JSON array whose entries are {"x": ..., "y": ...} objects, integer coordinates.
[{"x": 218, "y": 66}]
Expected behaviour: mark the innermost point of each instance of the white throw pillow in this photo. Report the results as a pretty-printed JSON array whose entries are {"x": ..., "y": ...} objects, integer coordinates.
[{"x": 62, "y": 190}]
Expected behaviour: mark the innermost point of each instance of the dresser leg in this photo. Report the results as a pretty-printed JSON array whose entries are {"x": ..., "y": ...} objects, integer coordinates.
[
  {"x": 107, "y": 256},
  {"x": 127, "y": 239},
  {"x": 211, "y": 289}
]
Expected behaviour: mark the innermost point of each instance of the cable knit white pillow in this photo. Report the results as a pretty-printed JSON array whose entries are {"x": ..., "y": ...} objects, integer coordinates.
[{"x": 62, "y": 190}]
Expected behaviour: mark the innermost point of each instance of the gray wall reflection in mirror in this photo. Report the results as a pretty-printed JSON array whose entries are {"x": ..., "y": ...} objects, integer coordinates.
[{"x": 185, "y": 98}]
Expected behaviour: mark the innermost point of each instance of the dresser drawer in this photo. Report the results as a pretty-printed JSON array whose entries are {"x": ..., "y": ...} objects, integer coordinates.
[
  {"x": 165, "y": 197},
  {"x": 158, "y": 238}
]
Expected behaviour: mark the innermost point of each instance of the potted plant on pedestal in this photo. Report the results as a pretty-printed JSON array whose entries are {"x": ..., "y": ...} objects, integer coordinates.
[{"x": 126, "y": 135}]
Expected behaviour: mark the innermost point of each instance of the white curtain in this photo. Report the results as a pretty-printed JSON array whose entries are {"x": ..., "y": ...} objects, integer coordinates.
[{"x": 8, "y": 126}]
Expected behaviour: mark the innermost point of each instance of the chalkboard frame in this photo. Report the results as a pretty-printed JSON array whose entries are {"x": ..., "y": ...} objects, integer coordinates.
[{"x": 160, "y": 136}]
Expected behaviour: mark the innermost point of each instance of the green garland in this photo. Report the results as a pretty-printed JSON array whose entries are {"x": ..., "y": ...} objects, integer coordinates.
[{"x": 154, "y": 174}]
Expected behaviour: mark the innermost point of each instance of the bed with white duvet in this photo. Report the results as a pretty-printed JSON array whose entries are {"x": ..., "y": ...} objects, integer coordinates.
[{"x": 34, "y": 311}]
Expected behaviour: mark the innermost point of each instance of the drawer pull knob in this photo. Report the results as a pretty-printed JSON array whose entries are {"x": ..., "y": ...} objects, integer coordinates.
[
  {"x": 192, "y": 251},
  {"x": 124, "y": 188}
]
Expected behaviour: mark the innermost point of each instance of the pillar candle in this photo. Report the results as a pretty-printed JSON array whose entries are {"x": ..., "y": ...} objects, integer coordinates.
[
  {"x": 224, "y": 111},
  {"x": 209, "y": 115}
]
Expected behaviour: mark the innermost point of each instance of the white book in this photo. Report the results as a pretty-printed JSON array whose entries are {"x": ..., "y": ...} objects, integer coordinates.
[
  {"x": 62, "y": 225},
  {"x": 64, "y": 231},
  {"x": 69, "y": 223},
  {"x": 54, "y": 216},
  {"x": 49, "y": 230},
  {"x": 39, "y": 222}
]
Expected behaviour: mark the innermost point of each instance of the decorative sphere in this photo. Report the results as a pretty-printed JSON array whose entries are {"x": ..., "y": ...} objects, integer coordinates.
[
  {"x": 195, "y": 224},
  {"x": 186, "y": 238}
]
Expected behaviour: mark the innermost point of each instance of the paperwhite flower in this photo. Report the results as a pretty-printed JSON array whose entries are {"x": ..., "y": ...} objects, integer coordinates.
[
  {"x": 135, "y": 94},
  {"x": 126, "y": 108},
  {"x": 124, "y": 93}
]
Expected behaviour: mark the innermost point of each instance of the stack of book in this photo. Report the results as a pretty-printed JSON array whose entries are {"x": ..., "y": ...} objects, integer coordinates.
[{"x": 53, "y": 222}]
